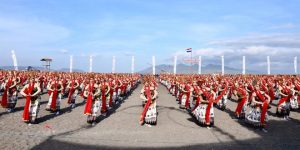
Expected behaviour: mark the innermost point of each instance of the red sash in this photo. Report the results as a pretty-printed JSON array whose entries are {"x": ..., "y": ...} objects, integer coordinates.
[
  {"x": 284, "y": 99},
  {"x": 64, "y": 84},
  {"x": 72, "y": 90},
  {"x": 28, "y": 91},
  {"x": 149, "y": 97},
  {"x": 239, "y": 107},
  {"x": 41, "y": 83},
  {"x": 221, "y": 95},
  {"x": 264, "y": 106},
  {"x": 88, "y": 106},
  {"x": 250, "y": 93},
  {"x": 188, "y": 94},
  {"x": 103, "y": 97},
  {"x": 111, "y": 93},
  {"x": 265, "y": 89},
  {"x": 4, "y": 96},
  {"x": 272, "y": 94},
  {"x": 207, "y": 112},
  {"x": 54, "y": 96},
  {"x": 198, "y": 97},
  {"x": 45, "y": 83}
]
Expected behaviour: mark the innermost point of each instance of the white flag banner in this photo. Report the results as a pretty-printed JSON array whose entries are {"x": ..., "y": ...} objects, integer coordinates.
[
  {"x": 91, "y": 63},
  {"x": 153, "y": 65},
  {"x": 13, "y": 55},
  {"x": 200, "y": 65}
]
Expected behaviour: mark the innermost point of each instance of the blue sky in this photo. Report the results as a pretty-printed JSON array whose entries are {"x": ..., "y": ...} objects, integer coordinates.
[{"x": 164, "y": 28}]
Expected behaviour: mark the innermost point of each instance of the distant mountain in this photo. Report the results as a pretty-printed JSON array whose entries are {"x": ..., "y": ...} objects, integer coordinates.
[
  {"x": 21, "y": 67},
  {"x": 38, "y": 68},
  {"x": 186, "y": 69}
]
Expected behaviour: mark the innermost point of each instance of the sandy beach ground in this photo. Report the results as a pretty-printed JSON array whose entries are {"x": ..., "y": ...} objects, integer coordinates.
[{"x": 120, "y": 129}]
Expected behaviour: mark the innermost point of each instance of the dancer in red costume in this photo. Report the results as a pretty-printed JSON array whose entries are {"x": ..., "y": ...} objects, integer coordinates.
[
  {"x": 55, "y": 87},
  {"x": 283, "y": 106},
  {"x": 92, "y": 107},
  {"x": 259, "y": 107},
  {"x": 72, "y": 87},
  {"x": 149, "y": 114},
  {"x": 239, "y": 94},
  {"x": 10, "y": 95},
  {"x": 105, "y": 89},
  {"x": 32, "y": 93}
]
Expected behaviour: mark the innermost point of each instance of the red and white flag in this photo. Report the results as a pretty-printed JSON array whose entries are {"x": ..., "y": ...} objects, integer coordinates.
[{"x": 189, "y": 50}]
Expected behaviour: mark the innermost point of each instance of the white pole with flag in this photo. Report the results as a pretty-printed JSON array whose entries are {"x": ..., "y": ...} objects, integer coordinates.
[
  {"x": 71, "y": 63},
  {"x": 199, "y": 65},
  {"x": 295, "y": 65},
  {"x": 113, "y": 69},
  {"x": 175, "y": 64},
  {"x": 91, "y": 63},
  {"x": 222, "y": 57},
  {"x": 13, "y": 55},
  {"x": 269, "y": 65},
  {"x": 153, "y": 65},
  {"x": 244, "y": 65},
  {"x": 132, "y": 64}
]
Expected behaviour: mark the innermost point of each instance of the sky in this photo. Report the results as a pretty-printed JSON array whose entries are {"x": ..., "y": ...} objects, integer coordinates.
[{"x": 143, "y": 28}]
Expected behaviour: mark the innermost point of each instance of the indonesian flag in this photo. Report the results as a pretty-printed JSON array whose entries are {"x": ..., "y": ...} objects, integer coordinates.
[{"x": 189, "y": 50}]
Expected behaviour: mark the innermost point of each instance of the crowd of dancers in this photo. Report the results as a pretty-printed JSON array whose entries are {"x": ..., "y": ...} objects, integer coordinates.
[
  {"x": 198, "y": 94},
  {"x": 254, "y": 94},
  {"x": 99, "y": 91}
]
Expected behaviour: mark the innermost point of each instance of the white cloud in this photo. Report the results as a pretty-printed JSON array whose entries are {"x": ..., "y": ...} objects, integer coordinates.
[
  {"x": 272, "y": 40},
  {"x": 286, "y": 26},
  {"x": 280, "y": 47},
  {"x": 30, "y": 31}
]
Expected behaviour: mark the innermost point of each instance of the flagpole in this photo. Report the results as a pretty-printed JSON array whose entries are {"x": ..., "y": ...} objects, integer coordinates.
[
  {"x": 13, "y": 55},
  {"x": 91, "y": 63},
  {"x": 199, "y": 65}
]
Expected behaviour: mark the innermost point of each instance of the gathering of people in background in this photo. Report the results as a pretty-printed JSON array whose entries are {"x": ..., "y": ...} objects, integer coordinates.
[{"x": 254, "y": 95}]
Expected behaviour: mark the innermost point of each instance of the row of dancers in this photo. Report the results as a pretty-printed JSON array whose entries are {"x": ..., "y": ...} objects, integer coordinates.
[
  {"x": 254, "y": 95},
  {"x": 100, "y": 92}
]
